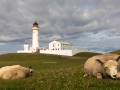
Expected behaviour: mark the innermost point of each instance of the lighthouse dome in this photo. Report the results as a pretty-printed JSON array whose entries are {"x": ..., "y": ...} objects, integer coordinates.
[{"x": 34, "y": 24}]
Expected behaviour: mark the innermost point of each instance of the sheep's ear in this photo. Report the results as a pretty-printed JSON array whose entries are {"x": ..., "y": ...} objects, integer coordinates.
[
  {"x": 118, "y": 58},
  {"x": 30, "y": 67},
  {"x": 100, "y": 61}
]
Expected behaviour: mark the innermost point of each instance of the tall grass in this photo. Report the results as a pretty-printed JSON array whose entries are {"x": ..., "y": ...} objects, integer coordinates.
[
  {"x": 62, "y": 79},
  {"x": 66, "y": 74}
]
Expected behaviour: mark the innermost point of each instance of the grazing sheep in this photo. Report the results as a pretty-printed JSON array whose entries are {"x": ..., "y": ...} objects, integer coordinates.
[
  {"x": 100, "y": 68},
  {"x": 15, "y": 72}
]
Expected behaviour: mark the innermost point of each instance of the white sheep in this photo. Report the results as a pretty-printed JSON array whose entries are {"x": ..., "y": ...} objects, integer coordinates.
[
  {"x": 100, "y": 68},
  {"x": 118, "y": 75},
  {"x": 5, "y": 69},
  {"x": 15, "y": 72},
  {"x": 107, "y": 56}
]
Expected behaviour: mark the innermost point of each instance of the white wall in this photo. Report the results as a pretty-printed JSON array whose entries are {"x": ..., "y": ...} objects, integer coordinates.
[
  {"x": 60, "y": 52},
  {"x": 24, "y": 52},
  {"x": 26, "y": 47}
]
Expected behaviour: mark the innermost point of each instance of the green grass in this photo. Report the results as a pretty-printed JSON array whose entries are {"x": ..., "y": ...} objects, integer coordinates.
[
  {"x": 86, "y": 54},
  {"x": 66, "y": 74},
  {"x": 40, "y": 61},
  {"x": 116, "y": 52}
]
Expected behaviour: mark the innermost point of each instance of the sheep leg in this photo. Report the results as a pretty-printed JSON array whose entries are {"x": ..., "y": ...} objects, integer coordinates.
[
  {"x": 118, "y": 75},
  {"x": 99, "y": 75},
  {"x": 86, "y": 75}
]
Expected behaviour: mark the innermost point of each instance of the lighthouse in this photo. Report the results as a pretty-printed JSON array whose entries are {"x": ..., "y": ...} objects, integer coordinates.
[
  {"x": 55, "y": 47},
  {"x": 35, "y": 37}
]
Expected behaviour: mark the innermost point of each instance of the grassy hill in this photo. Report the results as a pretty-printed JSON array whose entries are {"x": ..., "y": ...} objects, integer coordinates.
[
  {"x": 116, "y": 52},
  {"x": 40, "y": 61},
  {"x": 86, "y": 54},
  {"x": 53, "y": 72}
]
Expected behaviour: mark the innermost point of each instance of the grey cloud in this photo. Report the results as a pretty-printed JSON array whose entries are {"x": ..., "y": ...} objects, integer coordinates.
[{"x": 67, "y": 20}]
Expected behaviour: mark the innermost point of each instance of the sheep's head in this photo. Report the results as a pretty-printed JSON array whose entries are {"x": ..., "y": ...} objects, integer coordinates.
[
  {"x": 110, "y": 67},
  {"x": 31, "y": 71}
]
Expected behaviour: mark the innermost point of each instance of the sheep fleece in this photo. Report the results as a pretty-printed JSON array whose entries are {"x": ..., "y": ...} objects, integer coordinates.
[
  {"x": 92, "y": 67},
  {"x": 14, "y": 72}
]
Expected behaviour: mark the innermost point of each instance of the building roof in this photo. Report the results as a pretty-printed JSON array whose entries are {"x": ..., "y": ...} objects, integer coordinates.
[{"x": 63, "y": 42}]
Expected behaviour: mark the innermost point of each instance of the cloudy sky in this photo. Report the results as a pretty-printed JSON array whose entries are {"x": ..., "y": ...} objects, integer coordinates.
[{"x": 87, "y": 24}]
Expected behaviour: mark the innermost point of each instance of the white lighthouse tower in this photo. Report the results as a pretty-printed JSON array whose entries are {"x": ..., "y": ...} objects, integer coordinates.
[{"x": 35, "y": 38}]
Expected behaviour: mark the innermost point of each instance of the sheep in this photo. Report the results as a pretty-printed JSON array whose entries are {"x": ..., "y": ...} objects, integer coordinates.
[
  {"x": 15, "y": 72},
  {"x": 115, "y": 57},
  {"x": 5, "y": 68},
  {"x": 118, "y": 75},
  {"x": 108, "y": 56},
  {"x": 101, "y": 68}
]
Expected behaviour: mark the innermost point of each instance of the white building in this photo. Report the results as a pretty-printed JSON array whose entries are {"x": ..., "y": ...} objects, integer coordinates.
[
  {"x": 55, "y": 47},
  {"x": 26, "y": 47},
  {"x": 35, "y": 41},
  {"x": 60, "y": 48},
  {"x": 58, "y": 45}
]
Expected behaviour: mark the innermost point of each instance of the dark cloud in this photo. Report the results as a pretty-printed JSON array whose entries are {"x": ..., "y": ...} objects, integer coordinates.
[{"x": 66, "y": 20}]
